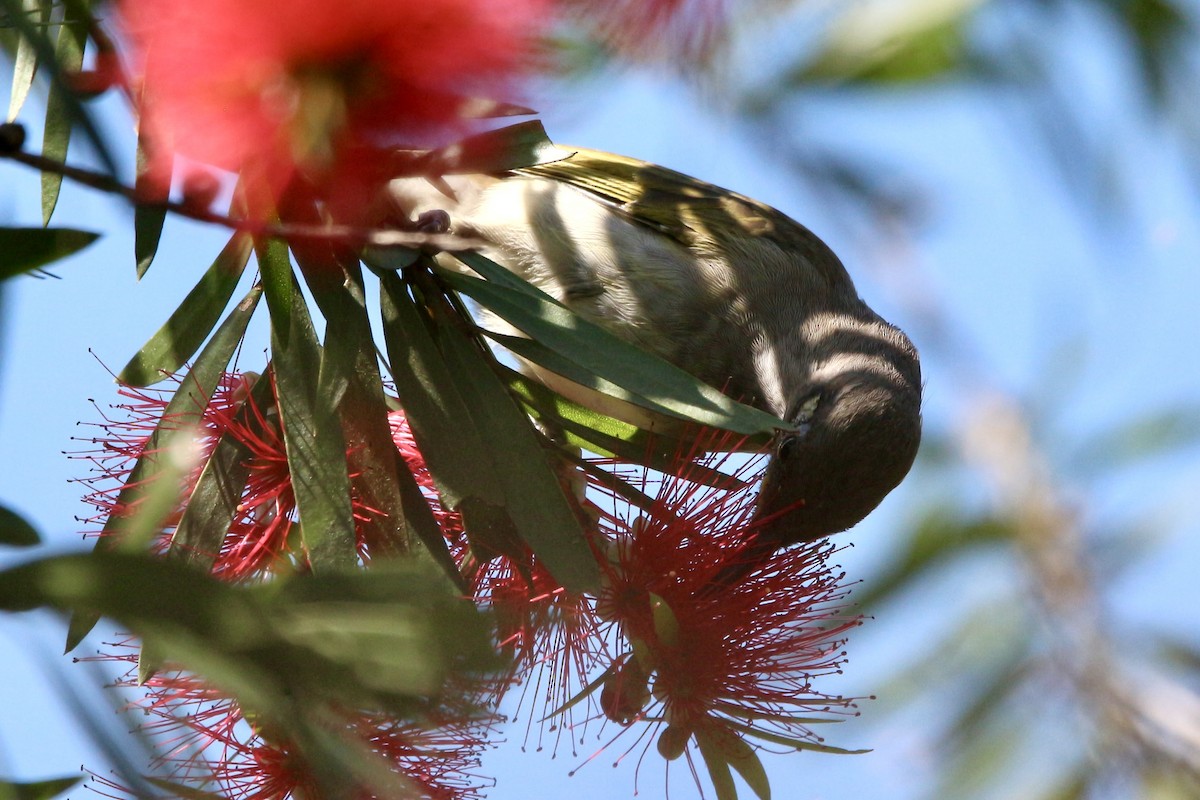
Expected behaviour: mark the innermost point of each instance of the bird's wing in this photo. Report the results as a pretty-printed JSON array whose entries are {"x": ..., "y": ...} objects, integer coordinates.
[
  {"x": 671, "y": 202},
  {"x": 684, "y": 208}
]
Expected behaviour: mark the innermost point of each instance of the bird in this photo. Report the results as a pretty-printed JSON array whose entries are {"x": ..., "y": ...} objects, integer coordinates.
[{"x": 733, "y": 291}]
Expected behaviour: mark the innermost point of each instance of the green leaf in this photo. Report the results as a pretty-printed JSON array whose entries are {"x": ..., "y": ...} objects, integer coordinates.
[
  {"x": 190, "y": 323},
  {"x": 373, "y": 639},
  {"x": 436, "y": 410},
  {"x": 184, "y": 409},
  {"x": 718, "y": 766},
  {"x": 25, "y": 61},
  {"x": 869, "y": 44},
  {"x": 26, "y": 249},
  {"x": 534, "y": 497},
  {"x": 15, "y": 531},
  {"x": 60, "y": 109},
  {"x": 215, "y": 500},
  {"x": 307, "y": 389},
  {"x": 597, "y": 433},
  {"x": 647, "y": 380},
  {"x": 938, "y": 538},
  {"x": 336, "y": 281},
  {"x": 1142, "y": 438},
  {"x": 148, "y": 217},
  {"x": 38, "y": 790},
  {"x": 278, "y": 285}
]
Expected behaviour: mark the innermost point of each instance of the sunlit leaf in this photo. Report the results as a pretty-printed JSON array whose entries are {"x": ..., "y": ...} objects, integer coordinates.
[
  {"x": 26, "y": 249},
  {"x": 60, "y": 109},
  {"x": 25, "y": 61},
  {"x": 643, "y": 376},
  {"x": 878, "y": 41},
  {"x": 188, "y": 326}
]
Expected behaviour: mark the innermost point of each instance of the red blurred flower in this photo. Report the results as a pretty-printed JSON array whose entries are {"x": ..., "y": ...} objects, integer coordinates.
[
  {"x": 203, "y": 741},
  {"x": 266, "y": 89}
]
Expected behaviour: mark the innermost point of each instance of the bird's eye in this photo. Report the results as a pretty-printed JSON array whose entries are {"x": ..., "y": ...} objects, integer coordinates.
[{"x": 787, "y": 447}]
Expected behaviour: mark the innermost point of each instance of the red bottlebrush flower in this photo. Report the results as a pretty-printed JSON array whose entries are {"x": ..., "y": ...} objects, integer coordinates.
[
  {"x": 250, "y": 87},
  {"x": 203, "y": 741},
  {"x": 259, "y": 538},
  {"x": 717, "y": 665},
  {"x": 551, "y": 634}
]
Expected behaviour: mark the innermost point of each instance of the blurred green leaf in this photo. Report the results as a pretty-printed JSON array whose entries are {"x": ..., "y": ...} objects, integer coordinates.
[
  {"x": 15, "y": 531},
  {"x": 646, "y": 379},
  {"x": 273, "y": 643},
  {"x": 936, "y": 539},
  {"x": 38, "y": 790},
  {"x": 190, "y": 323},
  {"x": 1148, "y": 436},
  {"x": 881, "y": 42},
  {"x": 26, "y": 249},
  {"x": 1160, "y": 31}
]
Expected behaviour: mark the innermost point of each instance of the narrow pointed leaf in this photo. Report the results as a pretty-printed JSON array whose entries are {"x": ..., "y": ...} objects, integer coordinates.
[
  {"x": 718, "y": 766},
  {"x": 25, "y": 63},
  {"x": 184, "y": 409},
  {"x": 336, "y": 281},
  {"x": 148, "y": 217},
  {"x": 603, "y": 355},
  {"x": 307, "y": 391},
  {"x": 744, "y": 759},
  {"x": 15, "y": 531},
  {"x": 524, "y": 144},
  {"x": 26, "y": 249},
  {"x": 606, "y": 436},
  {"x": 214, "y": 501},
  {"x": 188, "y": 326},
  {"x": 60, "y": 110},
  {"x": 278, "y": 283},
  {"x": 436, "y": 410},
  {"x": 534, "y": 497}
]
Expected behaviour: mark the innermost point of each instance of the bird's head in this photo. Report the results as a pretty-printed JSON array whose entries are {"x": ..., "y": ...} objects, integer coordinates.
[{"x": 857, "y": 418}]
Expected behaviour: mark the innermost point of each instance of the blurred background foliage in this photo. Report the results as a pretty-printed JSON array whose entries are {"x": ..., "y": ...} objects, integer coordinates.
[
  {"x": 999, "y": 578},
  {"x": 1037, "y": 686}
]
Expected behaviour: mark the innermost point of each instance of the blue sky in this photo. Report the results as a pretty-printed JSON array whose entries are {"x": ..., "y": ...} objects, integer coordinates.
[{"x": 1002, "y": 250}]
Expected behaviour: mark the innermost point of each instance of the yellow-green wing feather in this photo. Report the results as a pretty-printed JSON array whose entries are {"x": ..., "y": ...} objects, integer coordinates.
[{"x": 690, "y": 211}]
